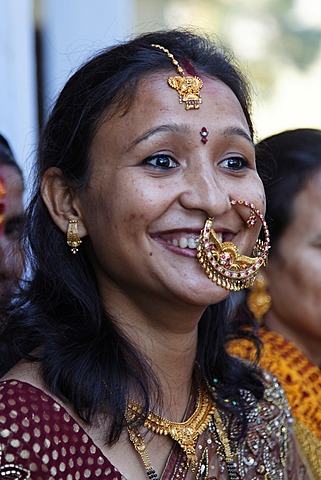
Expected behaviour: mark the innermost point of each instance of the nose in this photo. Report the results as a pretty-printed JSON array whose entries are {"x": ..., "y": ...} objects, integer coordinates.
[{"x": 206, "y": 192}]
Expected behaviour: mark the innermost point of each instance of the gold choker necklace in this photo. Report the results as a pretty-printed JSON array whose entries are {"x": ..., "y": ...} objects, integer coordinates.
[{"x": 185, "y": 433}]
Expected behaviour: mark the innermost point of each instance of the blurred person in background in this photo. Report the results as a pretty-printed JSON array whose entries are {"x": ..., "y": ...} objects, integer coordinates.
[
  {"x": 11, "y": 219},
  {"x": 286, "y": 297}
]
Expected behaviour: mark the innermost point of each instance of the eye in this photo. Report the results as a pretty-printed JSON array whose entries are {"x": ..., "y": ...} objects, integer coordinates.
[
  {"x": 235, "y": 163},
  {"x": 161, "y": 161},
  {"x": 14, "y": 227}
]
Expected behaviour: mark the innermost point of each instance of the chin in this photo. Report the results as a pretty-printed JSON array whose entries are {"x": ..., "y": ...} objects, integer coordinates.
[{"x": 208, "y": 296}]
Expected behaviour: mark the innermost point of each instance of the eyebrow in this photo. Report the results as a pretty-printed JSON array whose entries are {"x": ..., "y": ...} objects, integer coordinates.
[
  {"x": 175, "y": 128},
  {"x": 232, "y": 131},
  {"x": 170, "y": 127}
]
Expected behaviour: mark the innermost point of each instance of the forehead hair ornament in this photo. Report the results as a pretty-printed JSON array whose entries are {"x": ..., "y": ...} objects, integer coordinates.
[
  {"x": 188, "y": 88},
  {"x": 222, "y": 262}
]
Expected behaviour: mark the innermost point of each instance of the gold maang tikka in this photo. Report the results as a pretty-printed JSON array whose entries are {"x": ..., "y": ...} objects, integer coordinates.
[
  {"x": 188, "y": 87},
  {"x": 222, "y": 262}
]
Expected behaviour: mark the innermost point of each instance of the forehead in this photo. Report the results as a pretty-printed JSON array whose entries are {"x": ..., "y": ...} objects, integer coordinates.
[
  {"x": 11, "y": 183},
  {"x": 308, "y": 201},
  {"x": 155, "y": 103},
  {"x": 305, "y": 220},
  {"x": 9, "y": 173}
]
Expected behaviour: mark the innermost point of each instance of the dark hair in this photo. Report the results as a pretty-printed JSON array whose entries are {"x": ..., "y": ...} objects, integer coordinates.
[
  {"x": 294, "y": 156},
  {"x": 85, "y": 359},
  {"x": 6, "y": 155}
]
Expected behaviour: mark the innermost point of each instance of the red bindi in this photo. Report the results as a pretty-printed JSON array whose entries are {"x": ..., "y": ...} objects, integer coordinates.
[{"x": 204, "y": 134}]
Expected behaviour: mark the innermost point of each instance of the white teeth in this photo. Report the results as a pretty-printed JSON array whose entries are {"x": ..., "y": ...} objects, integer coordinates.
[
  {"x": 184, "y": 242},
  {"x": 191, "y": 243}
]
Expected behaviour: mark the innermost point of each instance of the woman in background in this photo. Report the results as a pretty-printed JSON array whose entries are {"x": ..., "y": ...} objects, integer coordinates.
[
  {"x": 11, "y": 220},
  {"x": 286, "y": 297}
]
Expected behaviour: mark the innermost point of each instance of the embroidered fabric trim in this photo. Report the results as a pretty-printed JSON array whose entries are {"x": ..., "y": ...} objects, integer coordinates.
[{"x": 301, "y": 381}]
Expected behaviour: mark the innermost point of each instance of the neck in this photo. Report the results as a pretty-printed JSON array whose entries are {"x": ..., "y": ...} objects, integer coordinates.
[
  {"x": 167, "y": 338},
  {"x": 307, "y": 344},
  {"x": 172, "y": 357}
]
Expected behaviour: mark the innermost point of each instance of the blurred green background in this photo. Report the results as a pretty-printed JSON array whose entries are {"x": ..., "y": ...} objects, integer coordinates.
[{"x": 278, "y": 42}]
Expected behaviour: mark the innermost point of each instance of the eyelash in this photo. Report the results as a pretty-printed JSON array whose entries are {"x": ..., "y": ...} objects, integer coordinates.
[
  {"x": 232, "y": 163},
  {"x": 171, "y": 163},
  {"x": 241, "y": 162}
]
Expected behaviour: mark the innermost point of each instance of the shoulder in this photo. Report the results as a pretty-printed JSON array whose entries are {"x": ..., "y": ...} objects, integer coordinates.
[
  {"x": 23, "y": 398},
  {"x": 38, "y": 435},
  {"x": 271, "y": 416},
  {"x": 30, "y": 416},
  {"x": 274, "y": 394},
  {"x": 270, "y": 439}
]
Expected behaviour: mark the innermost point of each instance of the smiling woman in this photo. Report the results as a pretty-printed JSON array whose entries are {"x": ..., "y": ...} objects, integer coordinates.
[{"x": 115, "y": 351}]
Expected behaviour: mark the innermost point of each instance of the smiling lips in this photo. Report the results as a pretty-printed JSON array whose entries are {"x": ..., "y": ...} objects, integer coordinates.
[{"x": 190, "y": 241}]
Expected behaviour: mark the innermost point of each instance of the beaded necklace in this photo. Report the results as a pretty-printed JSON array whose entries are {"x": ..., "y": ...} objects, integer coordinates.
[{"x": 185, "y": 433}]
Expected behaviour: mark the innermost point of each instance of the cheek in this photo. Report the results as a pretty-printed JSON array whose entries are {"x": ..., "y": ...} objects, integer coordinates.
[
  {"x": 252, "y": 191},
  {"x": 304, "y": 276},
  {"x": 285, "y": 278},
  {"x": 143, "y": 203},
  {"x": 261, "y": 202},
  {"x": 258, "y": 196}
]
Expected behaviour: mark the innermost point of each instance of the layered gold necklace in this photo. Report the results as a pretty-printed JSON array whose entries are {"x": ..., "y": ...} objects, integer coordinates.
[{"x": 185, "y": 433}]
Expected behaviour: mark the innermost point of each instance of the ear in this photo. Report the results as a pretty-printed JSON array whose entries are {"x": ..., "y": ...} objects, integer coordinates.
[{"x": 61, "y": 200}]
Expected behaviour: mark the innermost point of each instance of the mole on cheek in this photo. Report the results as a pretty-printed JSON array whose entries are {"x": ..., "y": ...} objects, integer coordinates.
[{"x": 150, "y": 254}]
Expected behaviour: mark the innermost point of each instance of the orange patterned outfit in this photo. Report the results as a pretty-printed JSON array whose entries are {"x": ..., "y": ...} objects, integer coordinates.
[{"x": 301, "y": 381}]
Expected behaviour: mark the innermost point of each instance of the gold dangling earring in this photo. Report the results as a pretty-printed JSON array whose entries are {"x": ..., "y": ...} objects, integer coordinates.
[
  {"x": 258, "y": 299},
  {"x": 73, "y": 239}
]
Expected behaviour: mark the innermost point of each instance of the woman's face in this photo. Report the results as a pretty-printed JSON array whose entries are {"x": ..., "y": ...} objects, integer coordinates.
[
  {"x": 11, "y": 217},
  {"x": 294, "y": 271},
  {"x": 154, "y": 184}
]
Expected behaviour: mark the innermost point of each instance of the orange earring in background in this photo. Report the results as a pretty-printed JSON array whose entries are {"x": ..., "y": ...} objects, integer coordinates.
[
  {"x": 73, "y": 239},
  {"x": 222, "y": 262},
  {"x": 258, "y": 299}
]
